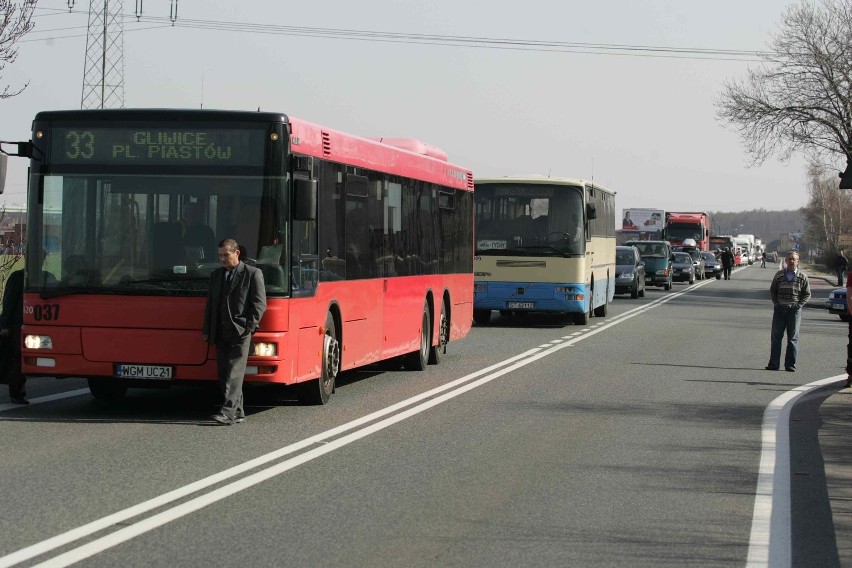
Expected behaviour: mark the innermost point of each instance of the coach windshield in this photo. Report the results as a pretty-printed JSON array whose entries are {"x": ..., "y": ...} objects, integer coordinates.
[{"x": 529, "y": 220}]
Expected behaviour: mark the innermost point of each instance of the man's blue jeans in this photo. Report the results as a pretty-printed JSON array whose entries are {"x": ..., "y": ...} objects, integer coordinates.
[{"x": 787, "y": 320}]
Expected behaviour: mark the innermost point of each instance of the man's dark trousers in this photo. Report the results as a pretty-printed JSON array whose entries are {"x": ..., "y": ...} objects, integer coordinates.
[
  {"x": 231, "y": 357},
  {"x": 785, "y": 319}
]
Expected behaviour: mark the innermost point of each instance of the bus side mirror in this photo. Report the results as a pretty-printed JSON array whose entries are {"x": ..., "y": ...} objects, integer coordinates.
[
  {"x": 304, "y": 199},
  {"x": 846, "y": 177},
  {"x": 591, "y": 212},
  {"x": 3, "y": 160}
]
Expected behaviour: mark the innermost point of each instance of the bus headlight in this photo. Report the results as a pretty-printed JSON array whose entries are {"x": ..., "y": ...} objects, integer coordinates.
[
  {"x": 265, "y": 349},
  {"x": 38, "y": 342}
]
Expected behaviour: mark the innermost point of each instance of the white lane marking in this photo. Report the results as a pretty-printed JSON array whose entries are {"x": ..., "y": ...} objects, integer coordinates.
[
  {"x": 103, "y": 543},
  {"x": 770, "y": 543},
  {"x": 43, "y": 399},
  {"x": 120, "y": 516}
]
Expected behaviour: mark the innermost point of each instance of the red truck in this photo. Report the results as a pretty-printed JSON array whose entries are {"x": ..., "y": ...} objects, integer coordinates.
[{"x": 682, "y": 226}]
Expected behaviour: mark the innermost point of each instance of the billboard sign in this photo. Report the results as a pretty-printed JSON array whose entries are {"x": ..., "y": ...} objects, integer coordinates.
[{"x": 642, "y": 220}]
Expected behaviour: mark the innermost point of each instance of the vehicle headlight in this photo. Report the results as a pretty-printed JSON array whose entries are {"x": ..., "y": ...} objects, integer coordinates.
[
  {"x": 831, "y": 296},
  {"x": 265, "y": 349},
  {"x": 38, "y": 342},
  {"x": 627, "y": 274}
]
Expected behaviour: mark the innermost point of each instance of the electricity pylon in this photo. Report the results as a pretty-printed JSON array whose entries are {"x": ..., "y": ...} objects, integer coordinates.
[{"x": 103, "y": 74}]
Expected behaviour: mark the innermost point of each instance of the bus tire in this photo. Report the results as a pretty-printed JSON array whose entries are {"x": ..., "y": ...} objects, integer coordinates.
[
  {"x": 584, "y": 317},
  {"x": 107, "y": 389},
  {"x": 481, "y": 317},
  {"x": 417, "y": 360},
  {"x": 319, "y": 390},
  {"x": 600, "y": 311},
  {"x": 436, "y": 351}
]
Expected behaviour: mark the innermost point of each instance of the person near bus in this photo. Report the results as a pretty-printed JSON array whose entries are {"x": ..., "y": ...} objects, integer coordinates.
[
  {"x": 841, "y": 265},
  {"x": 11, "y": 320},
  {"x": 790, "y": 291},
  {"x": 763, "y": 259},
  {"x": 235, "y": 303},
  {"x": 727, "y": 258}
]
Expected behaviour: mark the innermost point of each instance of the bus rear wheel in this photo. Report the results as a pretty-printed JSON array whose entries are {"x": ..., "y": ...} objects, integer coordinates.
[
  {"x": 107, "y": 389},
  {"x": 436, "y": 351},
  {"x": 319, "y": 390},
  {"x": 417, "y": 360}
]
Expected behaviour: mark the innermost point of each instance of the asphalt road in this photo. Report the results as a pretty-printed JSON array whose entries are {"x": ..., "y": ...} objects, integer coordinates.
[{"x": 634, "y": 441}]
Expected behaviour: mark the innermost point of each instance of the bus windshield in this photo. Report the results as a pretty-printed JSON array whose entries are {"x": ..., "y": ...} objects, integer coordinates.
[
  {"x": 154, "y": 234},
  {"x": 531, "y": 220}
]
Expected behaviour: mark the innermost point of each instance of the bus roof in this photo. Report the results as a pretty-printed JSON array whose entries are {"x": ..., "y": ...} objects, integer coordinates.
[
  {"x": 405, "y": 157},
  {"x": 540, "y": 179}
]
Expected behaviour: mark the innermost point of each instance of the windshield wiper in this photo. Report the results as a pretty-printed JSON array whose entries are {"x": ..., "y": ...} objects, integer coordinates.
[
  {"x": 164, "y": 279},
  {"x": 55, "y": 292},
  {"x": 545, "y": 247}
]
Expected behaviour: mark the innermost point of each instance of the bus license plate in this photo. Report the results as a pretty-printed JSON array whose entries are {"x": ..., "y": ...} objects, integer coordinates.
[
  {"x": 520, "y": 305},
  {"x": 132, "y": 371}
]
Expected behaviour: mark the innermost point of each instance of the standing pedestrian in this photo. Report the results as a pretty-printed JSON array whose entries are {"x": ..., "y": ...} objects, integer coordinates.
[
  {"x": 11, "y": 321},
  {"x": 763, "y": 259},
  {"x": 790, "y": 291},
  {"x": 727, "y": 258},
  {"x": 235, "y": 304},
  {"x": 841, "y": 265}
]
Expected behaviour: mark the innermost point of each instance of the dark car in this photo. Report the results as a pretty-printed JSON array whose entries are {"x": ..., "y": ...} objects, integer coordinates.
[
  {"x": 682, "y": 268},
  {"x": 629, "y": 272},
  {"x": 697, "y": 259},
  {"x": 658, "y": 264},
  {"x": 712, "y": 265},
  {"x": 836, "y": 303}
]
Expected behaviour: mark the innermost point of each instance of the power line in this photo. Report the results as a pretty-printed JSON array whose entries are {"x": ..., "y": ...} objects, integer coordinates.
[{"x": 512, "y": 44}]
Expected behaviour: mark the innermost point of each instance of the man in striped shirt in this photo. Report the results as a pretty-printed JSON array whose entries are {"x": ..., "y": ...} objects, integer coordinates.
[{"x": 790, "y": 291}]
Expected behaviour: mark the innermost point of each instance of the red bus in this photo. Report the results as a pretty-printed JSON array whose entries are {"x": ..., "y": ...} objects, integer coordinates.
[{"x": 366, "y": 246}]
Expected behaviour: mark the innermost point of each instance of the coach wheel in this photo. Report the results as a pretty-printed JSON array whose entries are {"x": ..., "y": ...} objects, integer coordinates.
[
  {"x": 107, "y": 389},
  {"x": 435, "y": 352},
  {"x": 319, "y": 391},
  {"x": 583, "y": 318},
  {"x": 481, "y": 317},
  {"x": 601, "y": 311},
  {"x": 417, "y": 360}
]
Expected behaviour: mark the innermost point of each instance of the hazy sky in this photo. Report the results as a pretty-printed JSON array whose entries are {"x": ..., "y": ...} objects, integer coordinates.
[{"x": 645, "y": 126}]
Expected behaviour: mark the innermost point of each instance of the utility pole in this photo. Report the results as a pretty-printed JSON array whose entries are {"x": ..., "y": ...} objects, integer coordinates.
[{"x": 103, "y": 73}]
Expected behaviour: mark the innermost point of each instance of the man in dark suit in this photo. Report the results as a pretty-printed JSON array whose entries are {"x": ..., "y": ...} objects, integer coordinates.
[
  {"x": 235, "y": 304},
  {"x": 11, "y": 321}
]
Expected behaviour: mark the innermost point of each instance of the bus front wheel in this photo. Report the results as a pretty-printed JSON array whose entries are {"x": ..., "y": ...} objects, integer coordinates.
[
  {"x": 107, "y": 389},
  {"x": 319, "y": 390}
]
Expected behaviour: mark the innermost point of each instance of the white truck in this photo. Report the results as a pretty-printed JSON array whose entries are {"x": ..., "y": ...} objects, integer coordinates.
[{"x": 749, "y": 239}]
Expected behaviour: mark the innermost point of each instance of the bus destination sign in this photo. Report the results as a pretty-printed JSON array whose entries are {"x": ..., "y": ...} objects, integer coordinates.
[{"x": 157, "y": 146}]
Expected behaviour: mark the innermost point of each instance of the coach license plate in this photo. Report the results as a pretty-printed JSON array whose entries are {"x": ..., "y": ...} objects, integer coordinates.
[
  {"x": 133, "y": 371},
  {"x": 521, "y": 305}
]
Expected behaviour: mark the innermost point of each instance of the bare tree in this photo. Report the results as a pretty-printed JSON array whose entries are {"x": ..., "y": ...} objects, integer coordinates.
[
  {"x": 15, "y": 22},
  {"x": 827, "y": 213},
  {"x": 800, "y": 98}
]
